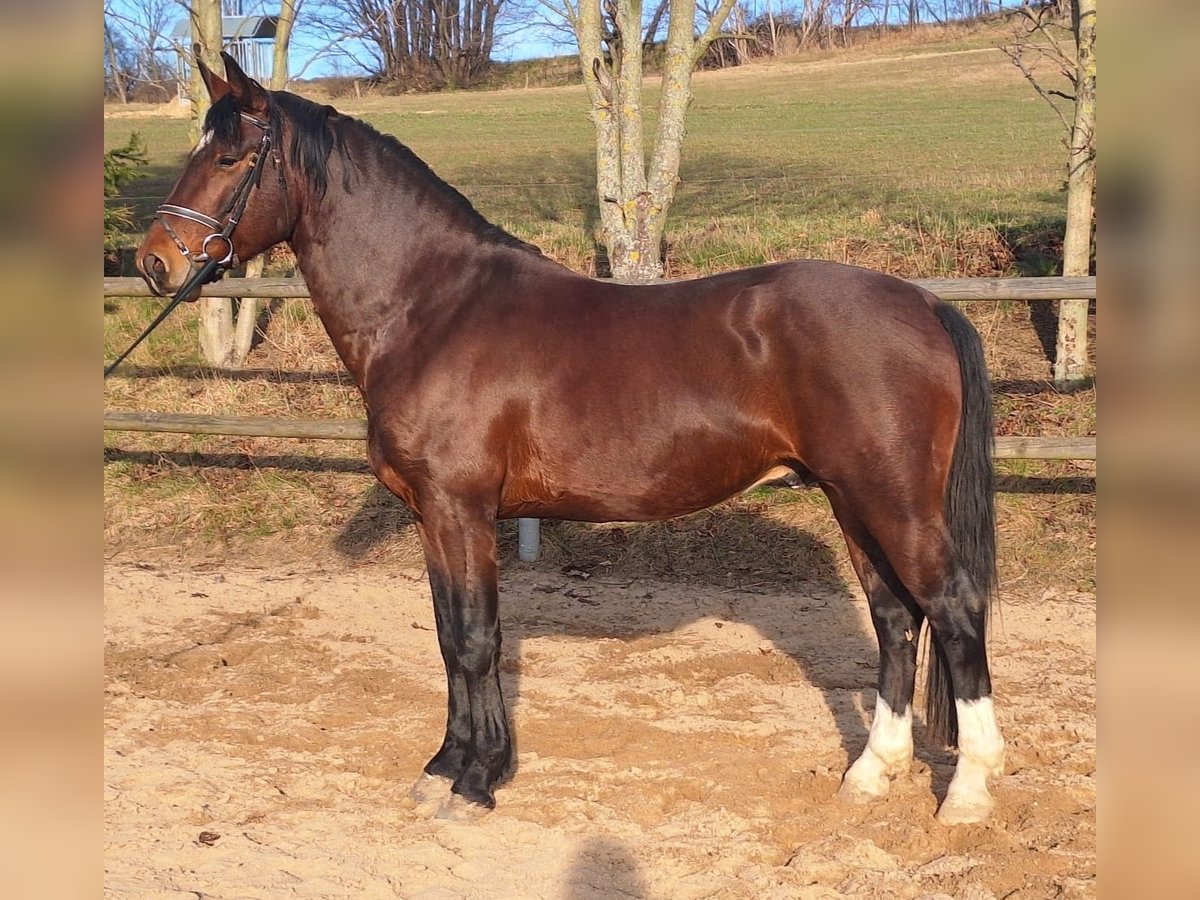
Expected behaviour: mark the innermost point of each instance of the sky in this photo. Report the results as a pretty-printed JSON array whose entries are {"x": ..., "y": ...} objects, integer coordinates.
[{"x": 312, "y": 55}]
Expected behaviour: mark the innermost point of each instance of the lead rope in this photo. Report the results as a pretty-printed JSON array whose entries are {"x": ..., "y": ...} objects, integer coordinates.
[
  {"x": 237, "y": 206},
  {"x": 198, "y": 277}
]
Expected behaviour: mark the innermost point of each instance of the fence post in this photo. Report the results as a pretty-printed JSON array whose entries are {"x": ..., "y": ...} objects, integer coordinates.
[{"x": 529, "y": 539}]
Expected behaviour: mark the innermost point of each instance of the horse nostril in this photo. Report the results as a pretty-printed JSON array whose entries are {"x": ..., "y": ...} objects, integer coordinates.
[{"x": 154, "y": 267}]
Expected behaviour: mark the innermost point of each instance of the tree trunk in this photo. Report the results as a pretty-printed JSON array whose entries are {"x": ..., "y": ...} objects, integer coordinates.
[
  {"x": 634, "y": 201},
  {"x": 283, "y": 39},
  {"x": 118, "y": 76},
  {"x": 1070, "y": 358},
  {"x": 216, "y": 313},
  {"x": 225, "y": 339},
  {"x": 206, "y": 32}
]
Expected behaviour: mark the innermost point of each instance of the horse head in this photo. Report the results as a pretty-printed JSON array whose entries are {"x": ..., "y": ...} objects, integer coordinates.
[{"x": 222, "y": 208}]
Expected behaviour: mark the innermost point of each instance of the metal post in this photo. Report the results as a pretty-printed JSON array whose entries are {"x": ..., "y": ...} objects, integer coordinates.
[{"x": 529, "y": 539}]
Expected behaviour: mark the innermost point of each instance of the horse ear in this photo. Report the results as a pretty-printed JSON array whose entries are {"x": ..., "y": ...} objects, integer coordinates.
[
  {"x": 217, "y": 86},
  {"x": 250, "y": 95}
]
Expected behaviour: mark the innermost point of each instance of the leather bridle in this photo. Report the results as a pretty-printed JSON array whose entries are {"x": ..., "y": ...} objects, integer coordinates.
[
  {"x": 232, "y": 214},
  {"x": 203, "y": 265}
]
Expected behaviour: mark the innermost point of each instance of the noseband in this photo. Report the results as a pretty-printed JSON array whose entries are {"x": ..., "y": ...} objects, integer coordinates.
[{"x": 232, "y": 213}]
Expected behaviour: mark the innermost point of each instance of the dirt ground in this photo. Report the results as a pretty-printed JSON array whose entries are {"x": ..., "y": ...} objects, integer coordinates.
[{"x": 674, "y": 739}]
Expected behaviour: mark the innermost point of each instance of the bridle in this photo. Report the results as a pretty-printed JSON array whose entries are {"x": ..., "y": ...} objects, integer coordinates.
[
  {"x": 232, "y": 212},
  {"x": 211, "y": 267}
]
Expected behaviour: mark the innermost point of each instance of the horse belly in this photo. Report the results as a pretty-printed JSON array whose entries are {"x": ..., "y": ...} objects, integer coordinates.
[{"x": 615, "y": 482}]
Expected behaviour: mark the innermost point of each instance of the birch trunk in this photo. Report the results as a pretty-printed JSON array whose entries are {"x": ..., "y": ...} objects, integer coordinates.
[
  {"x": 283, "y": 39},
  {"x": 225, "y": 338},
  {"x": 206, "y": 33},
  {"x": 1070, "y": 358},
  {"x": 634, "y": 200},
  {"x": 216, "y": 313}
]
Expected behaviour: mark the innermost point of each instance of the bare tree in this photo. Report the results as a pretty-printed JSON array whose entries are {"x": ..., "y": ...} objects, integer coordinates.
[
  {"x": 634, "y": 198},
  {"x": 1072, "y": 55},
  {"x": 815, "y": 22},
  {"x": 115, "y": 69},
  {"x": 415, "y": 43},
  {"x": 850, "y": 11},
  {"x": 142, "y": 27}
]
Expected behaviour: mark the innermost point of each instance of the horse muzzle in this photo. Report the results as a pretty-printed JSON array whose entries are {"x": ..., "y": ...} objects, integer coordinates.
[{"x": 165, "y": 274}]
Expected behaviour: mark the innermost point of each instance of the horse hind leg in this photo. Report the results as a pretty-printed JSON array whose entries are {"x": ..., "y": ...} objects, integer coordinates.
[
  {"x": 889, "y": 749},
  {"x": 958, "y": 621},
  {"x": 923, "y": 560}
]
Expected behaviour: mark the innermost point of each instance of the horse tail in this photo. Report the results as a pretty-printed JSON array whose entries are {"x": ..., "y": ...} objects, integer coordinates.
[{"x": 970, "y": 507}]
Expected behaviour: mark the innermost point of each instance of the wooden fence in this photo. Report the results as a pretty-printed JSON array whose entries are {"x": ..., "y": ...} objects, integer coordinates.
[
  {"x": 1007, "y": 447},
  {"x": 1055, "y": 288},
  {"x": 967, "y": 289}
]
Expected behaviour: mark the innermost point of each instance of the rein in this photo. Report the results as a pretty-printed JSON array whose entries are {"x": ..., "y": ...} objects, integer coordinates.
[{"x": 209, "y": 263}]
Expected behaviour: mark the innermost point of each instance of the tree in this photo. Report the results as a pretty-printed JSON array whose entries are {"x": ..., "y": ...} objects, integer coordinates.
[
  {"x": 1040, "y": 41},
  {"x": 635, "y": 199},
  {"x": 121, "y": 165},
  {"x": 138, "y": 31},
  {"x": 206, "y": 46},
  {"x": 283, "y": 40},
  {"x": 415, "y": 43},
  {"x": 116, "y": 73}
]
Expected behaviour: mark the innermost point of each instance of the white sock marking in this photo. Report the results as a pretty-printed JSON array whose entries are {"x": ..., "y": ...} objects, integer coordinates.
[
  {"x": 980, "y": 756},
  {"x": 888, "y": 752},
  {"x": 978, "y": 736}
]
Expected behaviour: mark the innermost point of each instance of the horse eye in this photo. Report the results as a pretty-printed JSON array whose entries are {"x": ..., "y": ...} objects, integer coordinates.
[{"x": 227, "y": 162}]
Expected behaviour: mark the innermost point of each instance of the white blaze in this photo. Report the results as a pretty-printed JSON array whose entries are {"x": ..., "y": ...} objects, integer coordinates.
[{"x": 205, "y": 138}]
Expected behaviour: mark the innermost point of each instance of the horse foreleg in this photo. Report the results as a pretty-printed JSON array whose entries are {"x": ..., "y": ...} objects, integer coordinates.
[
  {"x": 450, "y": 760},
  {"x": 477, "y": 752}
]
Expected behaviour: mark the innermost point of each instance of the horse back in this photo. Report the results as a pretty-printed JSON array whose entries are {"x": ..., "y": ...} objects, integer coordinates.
[{"x": 574, "y": 398}]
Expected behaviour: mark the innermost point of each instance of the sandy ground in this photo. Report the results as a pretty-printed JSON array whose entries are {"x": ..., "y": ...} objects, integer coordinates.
[{"x": 674, "y": 740}]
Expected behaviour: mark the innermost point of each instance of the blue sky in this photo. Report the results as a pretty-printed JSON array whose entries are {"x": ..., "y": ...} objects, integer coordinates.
[{"x": 312, "y": 54}]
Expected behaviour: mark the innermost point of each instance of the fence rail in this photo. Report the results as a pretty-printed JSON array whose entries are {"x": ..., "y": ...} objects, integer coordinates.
[
  {"x": 1007, "y": 447},
  {"x": 1050, "y": 288}
]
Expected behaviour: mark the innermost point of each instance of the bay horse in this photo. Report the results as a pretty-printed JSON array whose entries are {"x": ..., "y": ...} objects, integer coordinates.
[{"x": 499, "y": 384}]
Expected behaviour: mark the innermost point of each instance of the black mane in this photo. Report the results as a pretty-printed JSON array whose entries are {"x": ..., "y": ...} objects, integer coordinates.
[{"x": 317, "y": 130}]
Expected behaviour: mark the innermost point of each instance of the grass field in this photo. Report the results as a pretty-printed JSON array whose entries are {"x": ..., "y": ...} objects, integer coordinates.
[
  {"x": 924, "y": 160},
  {"x": 912, "y": 159}
]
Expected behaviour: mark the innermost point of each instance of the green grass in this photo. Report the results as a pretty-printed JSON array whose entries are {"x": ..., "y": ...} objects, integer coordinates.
[{"x": 857, "y": 157}]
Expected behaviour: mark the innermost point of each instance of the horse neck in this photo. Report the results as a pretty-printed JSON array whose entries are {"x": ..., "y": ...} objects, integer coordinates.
[{"x": 395, "y": 247}]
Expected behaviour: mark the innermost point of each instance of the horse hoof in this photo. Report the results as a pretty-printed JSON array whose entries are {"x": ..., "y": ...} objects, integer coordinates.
[
  {"x": 456, "y": 808},
  {"x": 958, "y": 810},
  {"x": 429, "y": 788},
  {"x": 861, "y": 792}
]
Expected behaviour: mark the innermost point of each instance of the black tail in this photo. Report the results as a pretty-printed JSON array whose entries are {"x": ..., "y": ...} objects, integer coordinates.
[{"x": 970, "y": 506}]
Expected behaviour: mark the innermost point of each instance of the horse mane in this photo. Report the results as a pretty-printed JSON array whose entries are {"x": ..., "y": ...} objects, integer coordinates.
[{"x": 317, "y": 130}]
